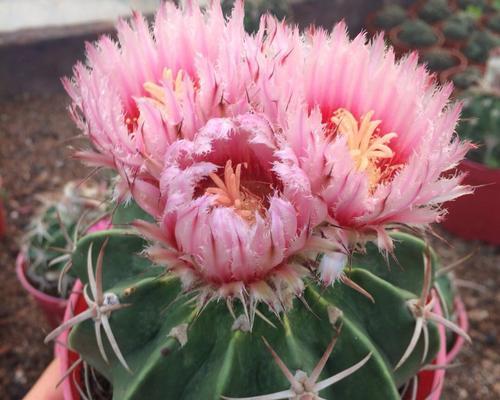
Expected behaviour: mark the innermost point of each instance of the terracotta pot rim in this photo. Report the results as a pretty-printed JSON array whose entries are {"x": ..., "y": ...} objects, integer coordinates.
[{"x": 21, "y": 265}]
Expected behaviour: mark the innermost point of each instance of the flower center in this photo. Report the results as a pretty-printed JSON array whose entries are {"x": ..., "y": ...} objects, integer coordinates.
[
  {"x": 230, "y": 193},
  {"x": 157, "y": 92},
  {"x": 367, "y": 146}
]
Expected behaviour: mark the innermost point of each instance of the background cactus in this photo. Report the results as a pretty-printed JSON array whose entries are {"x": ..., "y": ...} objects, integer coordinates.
[
  {"x": 417, "y": 33},
  {"x": 459, "y": 26},
  {"x": 53, "y": 232},
  {"x": 390, "y": 16},
  {"x": 435, "y": 10},
  {"x": 439, "y": 59},
  {"x": 177, "y": 351},
  {"x": 481, "y": 124},
  {"x": 479, "y": 46}
]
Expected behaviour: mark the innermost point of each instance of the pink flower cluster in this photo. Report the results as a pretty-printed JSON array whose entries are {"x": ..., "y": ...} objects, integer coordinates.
[{"x": 256, "y": 153}]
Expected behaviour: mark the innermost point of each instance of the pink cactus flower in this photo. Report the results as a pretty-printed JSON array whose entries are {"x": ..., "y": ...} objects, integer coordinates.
[
  {"x": 235, "y": 222},
  {"x": 135, "y": 97},
  {"x": 252, "y": 151},
  {"x": 380, "y": 139}
]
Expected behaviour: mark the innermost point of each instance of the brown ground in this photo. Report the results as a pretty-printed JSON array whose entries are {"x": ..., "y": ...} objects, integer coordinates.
[{"x": 33, "y": 158}]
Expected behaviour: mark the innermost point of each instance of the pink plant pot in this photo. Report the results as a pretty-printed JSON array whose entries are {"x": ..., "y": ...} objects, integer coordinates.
[
  {"x": 430, "y": 383},
  {"x": 475, "y": 217},
  {"x": 3, "y": 220},
  {"x": 52, "y": 307},
  {"x": 100, "y": 225},
  {"x": 67, "y": 358}
]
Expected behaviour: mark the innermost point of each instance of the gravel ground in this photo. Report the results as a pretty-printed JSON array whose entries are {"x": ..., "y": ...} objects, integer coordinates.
[{"x": 34, "y": 134}]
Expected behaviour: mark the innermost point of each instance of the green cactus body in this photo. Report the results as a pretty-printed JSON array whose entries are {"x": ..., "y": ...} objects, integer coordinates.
[{"x": 176, "y": 352}]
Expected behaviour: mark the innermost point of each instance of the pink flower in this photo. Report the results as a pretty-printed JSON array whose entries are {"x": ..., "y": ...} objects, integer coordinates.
[
  {"x": 235, "y": 223},
  {"x": 136, "y": 97},
  {"x": 380, "y": 136},
  {"x": 250, "y": 151}
]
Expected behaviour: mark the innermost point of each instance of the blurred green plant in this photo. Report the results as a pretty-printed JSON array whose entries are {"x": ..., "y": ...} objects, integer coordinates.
[
  {"x": 481, "y": 124},
  {"x": 417, "y": 33},
  {"x": 435, "y": 10},
  {"x": 467, "y": 78},
  {"x": 459, "y": 26},
  {"x": 494, "y": 22},
  {"x": 438, "y": 60},
  {"x": 254, "y": 9},
  {"x": 390, "y": 16},
  {"x": 54, "y": 230},
  {"x": 479, "y": 46}
]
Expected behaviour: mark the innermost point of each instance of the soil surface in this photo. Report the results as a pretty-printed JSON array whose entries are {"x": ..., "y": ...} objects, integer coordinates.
[{"x": 35, "y": 131}]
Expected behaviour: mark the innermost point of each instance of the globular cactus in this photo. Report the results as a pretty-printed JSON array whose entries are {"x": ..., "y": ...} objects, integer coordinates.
[
  {"x": 262, "y": 184},
  {"x": 481, "y": 124},
  {"x": 158, "y": 343},
  {"x": 53, "y": 232}
]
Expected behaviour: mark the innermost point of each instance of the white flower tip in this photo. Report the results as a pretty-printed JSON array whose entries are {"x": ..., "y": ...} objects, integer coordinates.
[{"x": 331, "y": 266}]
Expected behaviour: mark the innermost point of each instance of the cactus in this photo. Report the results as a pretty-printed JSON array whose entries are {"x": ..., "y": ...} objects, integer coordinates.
[
  {"x": 479, "y": 46},
  {"x": 165, "y": 346},
  {"x": 481, "y": 124},
  {"x": 53, "y": 232},
  {"x": 417, "y": 33},
  {"x": 390, "y": 16},
  {"x": 467, "y": 78},
  {"x": 459, "y": 26},
  {"x": 439, "y": 60},
  {"x": 435, "y": 10}
]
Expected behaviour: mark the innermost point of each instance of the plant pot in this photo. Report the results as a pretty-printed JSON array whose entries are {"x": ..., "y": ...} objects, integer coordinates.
[
  {"x": 52, "y": 307},
  {"x": 402, "y": 47},
  {"x": 76, "y": 305},
  {"x": 430, "y": 383},
  {"x": 475, "y": 217}
]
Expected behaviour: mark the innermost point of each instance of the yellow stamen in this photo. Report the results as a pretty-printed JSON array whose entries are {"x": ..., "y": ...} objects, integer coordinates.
[
  {"x": 367, "y": 146},
  {"x": 230, "y": 193},
  {"x": 157, "y": 92}
]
